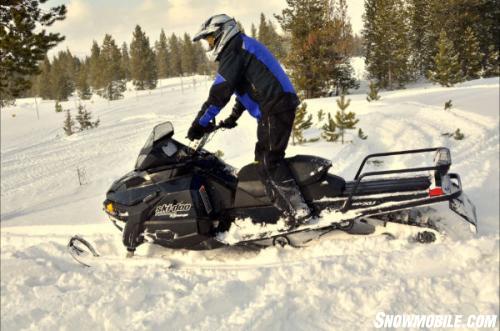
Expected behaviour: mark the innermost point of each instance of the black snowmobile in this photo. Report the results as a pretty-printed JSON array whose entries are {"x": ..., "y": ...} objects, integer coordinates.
[{"x": 188, "y": 198}]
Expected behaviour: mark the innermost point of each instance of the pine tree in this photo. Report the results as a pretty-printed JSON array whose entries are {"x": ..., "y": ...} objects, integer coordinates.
[
  {"x": 70, "y": 65},
  {"x": 419, "y": 34},
  {"x": 303, "y": 121},
  {"x": 262, "y": 32},
  {"x": 303, "y": 21},
  {"x": 472, "y": 56},
  {"x": 487, "y": 30},
  {"x": 491, "y": 67},
  {"x": 344, "y": 121},
  {"x": 447, "y": 67},
  {"x": 43, "y": 81},
  {"x": 277, "y": 46},
  {"x": 253, "y": 31},
  {"x": 58, "y": 107},
  {"x": 96, "y": 67},
  {"x": 142, "y": 61},
  {"x": 456, "y": 17},
  {"x": 82, "y": 82},
  {"x": 373, "y": 94},
  {"x": 321, "y": 115},
  {"x": 112, "y": 75},
  {"x": 69, "y": 124},
  {"x": 330, "y": 130},
  {"x": 320, "y": 41},
  {"x": 387, "y": 43},
  {"x": 62, "y": 76},
  {"x": 344, "y": 78},
  {"x": 320, "y": 38},
  {"x": 263, "y": 35},
  {"x": 162, "y": 56},
  {"x": 240, "y": 26},
  {"x": 125, "y": 61},
  {"x": 24, "y": 42},
  {"x": 188, "y": 58},
  {"x": 61, "y": 83},
  {"x": 175, "y": 55},
  {"x": 201, "y": 60},
  {"x": 343, "y": 73},
  {"x": 270, "y": 38},
  {"x": 84, "y": 119}
]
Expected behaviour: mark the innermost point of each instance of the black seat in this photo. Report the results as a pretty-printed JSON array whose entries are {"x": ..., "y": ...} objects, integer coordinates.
[{"x": 306, "y": 170}]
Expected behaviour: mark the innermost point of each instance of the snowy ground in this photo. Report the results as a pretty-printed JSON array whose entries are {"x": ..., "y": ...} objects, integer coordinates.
[{"x": 331, "y": 285}]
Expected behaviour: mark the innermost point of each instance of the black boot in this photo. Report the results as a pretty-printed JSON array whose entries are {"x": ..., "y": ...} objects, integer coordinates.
[{"x": 286, "y": 196}]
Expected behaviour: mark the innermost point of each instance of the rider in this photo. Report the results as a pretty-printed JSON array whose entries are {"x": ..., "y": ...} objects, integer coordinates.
[{"x": 250, "y": 71}]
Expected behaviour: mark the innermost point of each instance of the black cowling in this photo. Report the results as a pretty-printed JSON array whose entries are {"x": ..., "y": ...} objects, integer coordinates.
[{"x": 249, "y": 180}]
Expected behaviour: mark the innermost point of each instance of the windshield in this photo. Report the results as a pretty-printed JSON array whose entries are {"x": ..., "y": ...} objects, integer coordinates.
[
  {"x": 151, "y": 156},
  {"x": 159, "y": 132}
]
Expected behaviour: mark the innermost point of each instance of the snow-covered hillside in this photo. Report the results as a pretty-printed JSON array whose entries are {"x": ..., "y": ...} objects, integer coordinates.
[{"x": 331, "y": 285}]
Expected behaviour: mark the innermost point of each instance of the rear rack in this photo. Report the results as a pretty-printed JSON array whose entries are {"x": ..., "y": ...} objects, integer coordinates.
[
  {"x": 413, "y": 151},
  {"x": 439, "y": 167}
]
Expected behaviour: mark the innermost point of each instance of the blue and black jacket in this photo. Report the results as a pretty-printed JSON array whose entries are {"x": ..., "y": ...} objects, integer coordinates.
[{"x": 249, "y": 70}]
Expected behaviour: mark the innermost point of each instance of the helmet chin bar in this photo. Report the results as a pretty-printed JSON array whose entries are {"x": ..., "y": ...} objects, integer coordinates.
[{"x": 211, "y": 55}]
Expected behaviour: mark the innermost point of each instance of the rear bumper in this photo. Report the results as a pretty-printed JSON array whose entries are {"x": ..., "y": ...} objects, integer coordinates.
[
  {"x": 452, "y": 213},
  {"x": 463, "y": 207}
]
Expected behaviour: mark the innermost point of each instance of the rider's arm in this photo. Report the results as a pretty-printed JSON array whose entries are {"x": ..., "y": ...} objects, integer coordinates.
[
  {"x": 223, "y": 87},
  {"x": 238, "y": 109}
]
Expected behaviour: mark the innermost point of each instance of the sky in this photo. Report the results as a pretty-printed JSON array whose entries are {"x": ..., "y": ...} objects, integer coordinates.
[{"x": 89, "y": 20}]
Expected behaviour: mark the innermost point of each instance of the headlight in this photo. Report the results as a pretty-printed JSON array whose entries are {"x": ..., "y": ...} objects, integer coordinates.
[{"x": 110, "y": 209}]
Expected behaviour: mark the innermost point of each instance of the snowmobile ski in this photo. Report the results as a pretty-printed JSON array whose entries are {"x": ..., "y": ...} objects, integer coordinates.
[{"x": 81, "y": 250}]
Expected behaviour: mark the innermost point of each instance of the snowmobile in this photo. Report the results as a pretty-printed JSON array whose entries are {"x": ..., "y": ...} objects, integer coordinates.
[{"x": 186, "y": 197}]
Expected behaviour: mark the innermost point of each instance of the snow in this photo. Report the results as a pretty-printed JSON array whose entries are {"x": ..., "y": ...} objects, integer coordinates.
[{"x": 334, "y": 284}]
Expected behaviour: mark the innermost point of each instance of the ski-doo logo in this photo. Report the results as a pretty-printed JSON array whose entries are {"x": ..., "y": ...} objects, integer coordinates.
[{"x": 173, "y": 210}]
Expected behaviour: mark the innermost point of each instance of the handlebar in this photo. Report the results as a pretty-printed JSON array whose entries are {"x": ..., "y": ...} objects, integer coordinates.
[{"x": 202, "y": 142}]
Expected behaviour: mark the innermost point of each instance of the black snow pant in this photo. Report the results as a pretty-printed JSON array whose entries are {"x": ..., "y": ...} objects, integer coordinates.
[{"x": 273, "y": 133}]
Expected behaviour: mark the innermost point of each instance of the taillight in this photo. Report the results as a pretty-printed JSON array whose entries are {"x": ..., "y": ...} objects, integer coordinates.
[{"x": 436, "y": 191}]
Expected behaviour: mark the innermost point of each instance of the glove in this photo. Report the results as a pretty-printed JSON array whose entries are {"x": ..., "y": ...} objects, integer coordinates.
[
  {"x": 228, "y": 123},
  {"x": 196, "y": 131}
]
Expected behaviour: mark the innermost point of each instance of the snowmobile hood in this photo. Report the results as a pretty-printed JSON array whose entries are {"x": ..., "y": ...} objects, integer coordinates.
[{"x": 131, "y": 188}]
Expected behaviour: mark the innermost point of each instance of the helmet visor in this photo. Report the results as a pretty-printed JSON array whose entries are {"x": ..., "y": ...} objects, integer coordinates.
[{"x": 205, "y": 30}]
